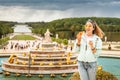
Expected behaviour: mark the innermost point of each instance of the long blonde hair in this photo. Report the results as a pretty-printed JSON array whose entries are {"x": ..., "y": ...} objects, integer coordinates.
[{"x": 98, "y": 31}]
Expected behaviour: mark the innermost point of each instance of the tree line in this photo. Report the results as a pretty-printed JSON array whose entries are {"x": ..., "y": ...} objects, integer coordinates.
[
  {"x": 6, "y": 28},
  {"x": 69, "y": 27}
]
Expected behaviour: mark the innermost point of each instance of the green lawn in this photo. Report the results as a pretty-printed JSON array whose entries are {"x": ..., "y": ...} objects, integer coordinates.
[{"x": 23, "y": 37}]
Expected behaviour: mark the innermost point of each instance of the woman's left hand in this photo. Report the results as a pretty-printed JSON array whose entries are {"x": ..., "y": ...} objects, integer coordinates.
[
  {"x": 92, "y": 47},
  {"x": 91, "y": 44}
]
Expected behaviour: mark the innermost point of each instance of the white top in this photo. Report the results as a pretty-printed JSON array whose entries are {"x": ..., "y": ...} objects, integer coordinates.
[{"x": 85, "y": 51}]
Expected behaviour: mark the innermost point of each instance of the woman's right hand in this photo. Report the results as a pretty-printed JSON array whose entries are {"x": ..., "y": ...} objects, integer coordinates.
[
  {"x": 78, "y": 37},
  {"x": 78, "y": 43}
]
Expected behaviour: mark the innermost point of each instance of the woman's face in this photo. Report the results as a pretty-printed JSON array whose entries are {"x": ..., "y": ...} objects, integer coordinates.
[{"x": 89, "y": 28}]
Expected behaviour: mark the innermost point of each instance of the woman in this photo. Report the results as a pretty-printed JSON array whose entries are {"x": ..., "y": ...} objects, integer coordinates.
[{"x": 89, "y": 46}]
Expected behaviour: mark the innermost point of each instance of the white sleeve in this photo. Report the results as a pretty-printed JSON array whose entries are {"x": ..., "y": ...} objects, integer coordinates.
[{"x": 76, "y": 48}]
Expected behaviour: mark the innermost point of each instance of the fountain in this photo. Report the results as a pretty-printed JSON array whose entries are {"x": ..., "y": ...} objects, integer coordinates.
[
  {"x": 47, "y": 59},
  {"x": 41, "y": 61}
]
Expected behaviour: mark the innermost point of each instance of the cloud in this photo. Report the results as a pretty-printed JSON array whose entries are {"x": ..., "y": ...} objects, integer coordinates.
[
  {"x": 25, "y": 14},
  {"x": 39, "y": 10}
]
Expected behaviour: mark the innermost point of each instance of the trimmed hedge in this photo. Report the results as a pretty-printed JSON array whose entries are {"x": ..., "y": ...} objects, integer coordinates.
[{"x": 3, "y": 41}]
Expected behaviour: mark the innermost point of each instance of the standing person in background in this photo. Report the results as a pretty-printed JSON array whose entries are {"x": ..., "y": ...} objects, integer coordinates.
[{"x": 89, "y": 45}]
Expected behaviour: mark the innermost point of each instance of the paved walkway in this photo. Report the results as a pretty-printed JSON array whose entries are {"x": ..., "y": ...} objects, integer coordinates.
[
  {"x": 115, "y": 52},
  {"x": 113, "y": 47},
  {"x": 110, "y": 53},
  {"x": 104, "y": 52}
]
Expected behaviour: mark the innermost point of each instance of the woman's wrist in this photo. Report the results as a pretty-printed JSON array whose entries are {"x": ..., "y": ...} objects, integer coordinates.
[
  {"x": 78, "y": 44},
  {"x": 93, "y": 48}
]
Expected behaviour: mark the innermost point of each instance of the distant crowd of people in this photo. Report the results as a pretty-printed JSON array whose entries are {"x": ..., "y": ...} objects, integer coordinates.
[
  {"x": 21, "y": 45},
  {"x": 30, "y": 44}
]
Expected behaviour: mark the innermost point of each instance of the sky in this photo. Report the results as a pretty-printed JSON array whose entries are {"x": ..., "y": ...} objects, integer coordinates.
[{"x": 48, "y": 10}]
